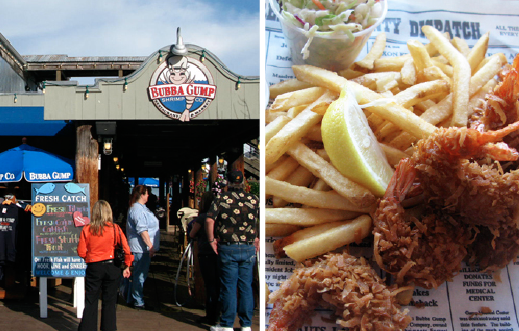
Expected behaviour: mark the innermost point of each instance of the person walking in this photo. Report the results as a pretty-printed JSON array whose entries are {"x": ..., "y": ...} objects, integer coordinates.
[
  {"x": 232, "y": 231},
  {"x": 96, "y": 247},
  {"x": 142, "y": 228},
  {"x": 207, "y": 260}
]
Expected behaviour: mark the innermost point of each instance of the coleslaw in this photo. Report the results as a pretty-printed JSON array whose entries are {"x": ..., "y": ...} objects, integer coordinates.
[{"x": 330, "y": 17}]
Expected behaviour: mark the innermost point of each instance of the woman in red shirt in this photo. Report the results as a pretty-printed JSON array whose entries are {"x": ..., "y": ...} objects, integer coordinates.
[{"x": 96, "y": 246}]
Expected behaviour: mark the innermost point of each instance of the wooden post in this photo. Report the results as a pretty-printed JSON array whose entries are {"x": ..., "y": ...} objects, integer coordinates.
[
  {"x": 169, "y": 227},
  {"x": 213, "y": 174},
  {"x": 190, "y": 198},
  {"x": 87, "y": 161},
  {"x": 198, "y": 178},
  {"x": 239, "y": 165}
]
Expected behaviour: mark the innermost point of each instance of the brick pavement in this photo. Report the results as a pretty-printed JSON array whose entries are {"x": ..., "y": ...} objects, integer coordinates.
[
  {"x": 23, "y": 314},
  {"x": 20, "y": 315}
]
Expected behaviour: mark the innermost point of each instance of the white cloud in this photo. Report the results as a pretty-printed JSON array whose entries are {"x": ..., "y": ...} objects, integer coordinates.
[{"x": 131, "y": 28}]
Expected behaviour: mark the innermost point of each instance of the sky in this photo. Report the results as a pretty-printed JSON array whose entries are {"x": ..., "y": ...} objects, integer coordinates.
[{"x": 227, "y": 28}]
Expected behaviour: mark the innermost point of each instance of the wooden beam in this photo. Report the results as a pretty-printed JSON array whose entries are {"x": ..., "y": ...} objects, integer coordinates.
[
  {"x": 238, "y": 165},
  {"x": 11, "y": 60},
  {"x": 214, "y": 173},
  {"x": 71, "y": 65},
  {"x": 87, "y": 161}
]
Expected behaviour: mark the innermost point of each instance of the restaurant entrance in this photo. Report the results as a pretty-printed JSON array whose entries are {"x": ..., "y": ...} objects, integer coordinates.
[{"x": 136, "y": 121}]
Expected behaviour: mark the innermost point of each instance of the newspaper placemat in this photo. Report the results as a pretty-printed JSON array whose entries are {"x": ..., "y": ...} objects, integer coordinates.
[{"x": 456, "y": 305}]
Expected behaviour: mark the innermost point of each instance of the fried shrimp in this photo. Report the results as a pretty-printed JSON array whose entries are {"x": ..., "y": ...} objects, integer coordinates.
[
  {"x": 343, "y": 283},
  {"x": 424, "y": 250},
  {"x": 460, "y": 199},
  {"x": 500, "y": 107}
]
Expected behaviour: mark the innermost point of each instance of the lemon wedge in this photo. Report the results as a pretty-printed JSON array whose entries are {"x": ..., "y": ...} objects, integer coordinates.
[{"x": 352, "y": 147}]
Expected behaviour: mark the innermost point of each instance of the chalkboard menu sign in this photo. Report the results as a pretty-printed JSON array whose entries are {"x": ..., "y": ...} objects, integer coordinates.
[{"x": 59, "y": 212}]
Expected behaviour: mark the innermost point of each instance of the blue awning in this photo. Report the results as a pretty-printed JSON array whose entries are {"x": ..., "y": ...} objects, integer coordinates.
[
  {"x": 35, "y": 164},
  {"x": 146, "y": 181},
  {"x": 27, "y": 121}
]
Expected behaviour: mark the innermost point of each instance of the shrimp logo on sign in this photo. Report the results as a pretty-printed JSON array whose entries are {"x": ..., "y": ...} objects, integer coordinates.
[{"x": 181, "y": 88}]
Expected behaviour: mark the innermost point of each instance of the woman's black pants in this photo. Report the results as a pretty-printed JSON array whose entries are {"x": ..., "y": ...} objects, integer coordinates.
[
  {"x": 209, "y": 269},
  {"x": 101, "y": 277}
]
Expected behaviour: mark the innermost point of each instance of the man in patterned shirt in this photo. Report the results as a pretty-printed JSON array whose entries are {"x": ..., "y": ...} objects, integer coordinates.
[{"x": 232, "y": 231}]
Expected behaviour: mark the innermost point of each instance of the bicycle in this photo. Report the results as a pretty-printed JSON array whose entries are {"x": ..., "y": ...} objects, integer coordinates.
[{"x": 186, "y": 266}]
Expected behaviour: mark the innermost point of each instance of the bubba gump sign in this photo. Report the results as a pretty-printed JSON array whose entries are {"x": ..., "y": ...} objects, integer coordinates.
[{"x": 181, "y": 88}]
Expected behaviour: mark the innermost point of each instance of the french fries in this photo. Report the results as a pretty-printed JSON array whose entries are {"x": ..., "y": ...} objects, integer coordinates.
[
  {"x": 274, "y": 127},
  {"x": 328, "y": 237},
  {"x": 421, "y": 92},
  {"x": 286, "y": 86},
  {"x": 377, "y": 49},
  {"x": 284, "y": 169},
  {"x": 306, "y": 217},
  {"x": 357, "y": 194},
  {"x": 310, "y": 197},
  {"x": 300, "y": 177},
  {"x": 389, "y": 111},
  {"x": 408, "y": 72},
  {"x": 477, "y": 53},
  {"x": 317, "y": 209},
  {"x": 297, "y": 98},
  {"x": 461, "y": 46},
  {"x": 294, "y": 130},
  {"x": 280, "y": 230},
  {"x": 462, "y": 73},
  {"x": 421, "y": 58},
  {"x": 393, "y": 155}
]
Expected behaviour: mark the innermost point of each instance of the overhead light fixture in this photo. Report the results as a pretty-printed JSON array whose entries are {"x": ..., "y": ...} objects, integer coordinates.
[
  {"x": 125, "y": 86},
  {"x": 15, "y": 98},
  {"x": 220, "y": 160},
  {"x": 43, "y": 87},
  {"x": 122, "y": 169},
  {"x": 189, "y": 171},
  {"x": 86, "y": 92},
  {"x": 202, "y": 58},
  {"x": 116, "y": 159},
  {"x": 107, "y": 146},
  {"x": 117, "y": 166},
  {"x": 238, "y": 83}
]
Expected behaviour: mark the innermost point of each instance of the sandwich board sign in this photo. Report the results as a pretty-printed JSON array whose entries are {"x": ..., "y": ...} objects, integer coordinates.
[{"x": 59, "y": 212}]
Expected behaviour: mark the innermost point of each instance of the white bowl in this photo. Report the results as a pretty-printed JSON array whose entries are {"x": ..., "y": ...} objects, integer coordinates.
[{"x": 335, "y": 53}]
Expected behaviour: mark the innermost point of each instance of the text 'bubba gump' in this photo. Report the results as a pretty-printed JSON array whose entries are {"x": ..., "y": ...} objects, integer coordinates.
[{"x": 182, "y": 90}]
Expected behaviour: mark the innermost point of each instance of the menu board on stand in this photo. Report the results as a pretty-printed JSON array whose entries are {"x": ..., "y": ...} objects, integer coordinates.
[{"x": 59, "y": 212}]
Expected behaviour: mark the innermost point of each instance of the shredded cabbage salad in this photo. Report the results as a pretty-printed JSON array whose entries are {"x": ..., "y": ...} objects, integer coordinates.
[{"x": 330, "y": 17}]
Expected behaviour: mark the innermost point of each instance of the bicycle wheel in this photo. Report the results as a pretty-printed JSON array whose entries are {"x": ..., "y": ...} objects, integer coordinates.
[{"x": 185, "y": 278}]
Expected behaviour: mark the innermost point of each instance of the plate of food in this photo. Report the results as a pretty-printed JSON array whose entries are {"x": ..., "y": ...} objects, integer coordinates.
[{"x": 389, "y": 187}]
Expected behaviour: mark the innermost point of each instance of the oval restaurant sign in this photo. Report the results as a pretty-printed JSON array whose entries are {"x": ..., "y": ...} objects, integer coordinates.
[{"x": 181, "y": 88}]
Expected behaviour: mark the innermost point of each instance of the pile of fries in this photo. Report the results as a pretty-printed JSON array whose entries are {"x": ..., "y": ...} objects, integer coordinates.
[{"x": 315, "y": 207}]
